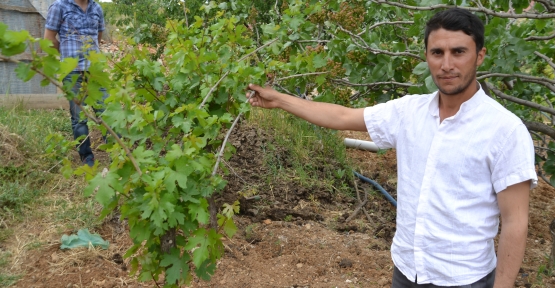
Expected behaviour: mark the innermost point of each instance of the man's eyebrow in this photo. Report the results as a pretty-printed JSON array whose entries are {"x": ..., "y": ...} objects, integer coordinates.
[{"x": 460, "y": 48}]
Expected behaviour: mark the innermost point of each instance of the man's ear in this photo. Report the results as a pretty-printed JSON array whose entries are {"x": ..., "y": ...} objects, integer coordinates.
[{"x": 481, "y": 56}]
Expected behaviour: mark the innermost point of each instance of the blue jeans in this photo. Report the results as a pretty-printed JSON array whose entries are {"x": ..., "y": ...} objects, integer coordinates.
[{"x": 78, "y": 125}]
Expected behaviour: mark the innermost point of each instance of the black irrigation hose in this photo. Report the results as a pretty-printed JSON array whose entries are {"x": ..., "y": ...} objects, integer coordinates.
[{"x": 368, "y": 180}]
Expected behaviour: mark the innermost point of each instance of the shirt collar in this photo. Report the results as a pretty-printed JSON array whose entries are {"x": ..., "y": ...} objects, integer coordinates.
[
  {"x": 73, "y": 2},
  {"x": 466, "y": 106}
]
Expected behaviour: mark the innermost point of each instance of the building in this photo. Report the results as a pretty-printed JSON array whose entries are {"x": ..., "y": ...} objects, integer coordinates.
[{"x": 27, "y": 15}]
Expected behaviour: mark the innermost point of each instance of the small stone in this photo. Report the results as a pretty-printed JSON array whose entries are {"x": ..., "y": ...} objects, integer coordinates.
[
  {"x": 267, "y": 221},
  {"x": 345, "y": 263},
  {"x": 299, "y": 265},
  {"x": 348, "y": 281},
  {"x": 307, "y": 226}
]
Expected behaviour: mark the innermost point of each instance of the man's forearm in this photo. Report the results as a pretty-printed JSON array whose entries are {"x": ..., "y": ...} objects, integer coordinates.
[
  {"x": 324, "y": 114},
  {"x": 512, "y": 243},
  {"x": 51, "y": 35}
]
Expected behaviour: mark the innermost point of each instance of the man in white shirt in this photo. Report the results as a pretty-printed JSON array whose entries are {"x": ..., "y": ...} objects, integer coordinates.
[{"x": 463, "y": 161}]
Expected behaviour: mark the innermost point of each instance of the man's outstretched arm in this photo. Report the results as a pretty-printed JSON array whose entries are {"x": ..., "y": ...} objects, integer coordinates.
[
  {"x": 513, "y": 204},
  {"x": 322, "y": 114}
]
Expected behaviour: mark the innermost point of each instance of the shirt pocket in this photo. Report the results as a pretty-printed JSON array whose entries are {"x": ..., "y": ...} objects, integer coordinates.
[
  {"x": 73, "y": 23},
  {"x": 93, "y": 21}
]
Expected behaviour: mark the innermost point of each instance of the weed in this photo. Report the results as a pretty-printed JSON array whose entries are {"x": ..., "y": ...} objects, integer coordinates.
[
  {"x": 6, "y": 279},
  {"x": 14, "y": 196},
  {"x": 288, "y": 218},
  {"x": 249, "y": 231},
  {"x": 310, "y": 155}
]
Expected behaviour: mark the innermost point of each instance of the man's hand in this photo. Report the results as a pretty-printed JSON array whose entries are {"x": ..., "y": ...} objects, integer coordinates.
[
  {"x": 513, "y": 204},
  {"x": 264, "y": 97}
]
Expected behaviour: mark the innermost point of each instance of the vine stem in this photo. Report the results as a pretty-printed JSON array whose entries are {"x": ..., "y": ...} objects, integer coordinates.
[
  {"x": 212, "y": 200},
  {"x": 88, "y": 114},
  {"x": 300, "y": 75},
  {"x": 227, "y": 73}
]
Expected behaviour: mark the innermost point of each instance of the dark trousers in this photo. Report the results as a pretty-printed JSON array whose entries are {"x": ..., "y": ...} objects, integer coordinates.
[
  {"x": 400, "y": 281},
  {"x": 78, "y": 125}
]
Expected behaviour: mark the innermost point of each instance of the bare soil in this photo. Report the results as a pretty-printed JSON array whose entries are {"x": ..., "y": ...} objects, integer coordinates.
[{"x": 289, "y": 235}]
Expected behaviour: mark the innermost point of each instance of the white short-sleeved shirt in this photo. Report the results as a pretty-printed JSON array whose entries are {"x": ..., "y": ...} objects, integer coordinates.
[{"x": 449, "y": 175}]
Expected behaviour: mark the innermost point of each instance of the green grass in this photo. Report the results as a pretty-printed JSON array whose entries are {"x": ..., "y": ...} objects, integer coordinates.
[
  {"x": 313, "y": 156},
  {"x": 23, "y": 175},
  {"x": 31, "y": 186}
]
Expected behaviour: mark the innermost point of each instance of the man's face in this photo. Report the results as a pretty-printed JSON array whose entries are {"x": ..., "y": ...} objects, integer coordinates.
[{"x": 452, "y": 58}]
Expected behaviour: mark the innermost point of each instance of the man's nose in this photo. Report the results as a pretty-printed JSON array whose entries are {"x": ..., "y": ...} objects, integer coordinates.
[{"x": 447, "y": 62}]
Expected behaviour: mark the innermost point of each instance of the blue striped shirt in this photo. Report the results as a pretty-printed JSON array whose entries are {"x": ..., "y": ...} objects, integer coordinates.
[{"x": 77, "y": 29}]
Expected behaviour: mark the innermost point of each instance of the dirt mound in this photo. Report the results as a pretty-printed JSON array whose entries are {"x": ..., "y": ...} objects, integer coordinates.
[{"x": 11, "y": 147}]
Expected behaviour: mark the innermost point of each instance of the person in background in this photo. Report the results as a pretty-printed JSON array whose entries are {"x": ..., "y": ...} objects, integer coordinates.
[
  {"x": 79, "y": 25},
  {"x": 463, "y": 160}
]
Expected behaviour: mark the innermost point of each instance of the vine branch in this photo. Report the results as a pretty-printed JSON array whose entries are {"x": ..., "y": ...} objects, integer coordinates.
[
  {"x": 89, "y": 115},
  {"x": 211, "y": 200},
  {"x": 227, "y": 73}
]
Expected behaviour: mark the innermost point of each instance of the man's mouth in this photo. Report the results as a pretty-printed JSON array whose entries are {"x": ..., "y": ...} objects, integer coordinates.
[{"x": 450, "y": 77}]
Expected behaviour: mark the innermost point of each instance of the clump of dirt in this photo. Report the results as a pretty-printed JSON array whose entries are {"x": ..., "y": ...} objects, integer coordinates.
[{"x": 11, "y": 148}]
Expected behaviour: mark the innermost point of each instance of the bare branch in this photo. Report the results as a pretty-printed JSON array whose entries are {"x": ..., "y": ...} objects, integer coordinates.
[
  {"x": 550, "y": 84},
  {"x": 521, "y": 76},
  {"x": 385, "y": 23},
  {"x": 312, "y": 41},
  {"x": 548, "y": 5},
  {"x": 212, "y": 90},
  {"x": 534, "y": 38},
  {"x": 211, "y": 199},
  {"x": 540, "y": 127},
  {"x": 530, "y": 104},
  {"x": 473, "y": 9},
  {"x": 377, "y": 51},
  {"x": 345, "y": 82},
  {"x": 258, "y": 49},
  {"x": 300, "y": 75},
  {"x": 547, "y": 59},
  {"x": 227, "y": 73}
]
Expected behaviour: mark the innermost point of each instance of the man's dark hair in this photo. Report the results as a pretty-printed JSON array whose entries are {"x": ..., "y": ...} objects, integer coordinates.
[{"x": 456, "y": 19}]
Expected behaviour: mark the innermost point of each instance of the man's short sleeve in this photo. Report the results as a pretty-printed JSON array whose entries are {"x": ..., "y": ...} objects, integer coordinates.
[
  {"x": 515, "y": 163},
  {"x": 54, "y": 17},
  {"x": 383, "y": 122}
]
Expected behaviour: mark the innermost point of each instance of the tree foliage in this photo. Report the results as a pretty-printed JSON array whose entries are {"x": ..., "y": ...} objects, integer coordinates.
[{"x": 171, "y": 110}]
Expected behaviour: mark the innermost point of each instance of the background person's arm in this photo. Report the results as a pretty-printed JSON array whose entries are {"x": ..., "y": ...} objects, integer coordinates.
[
  {"x": 513, "y": 204},
  {"x": 51, "y": 35},
  {"x": 322, "y": 114},
  {"x": 99, "y": 37}
]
